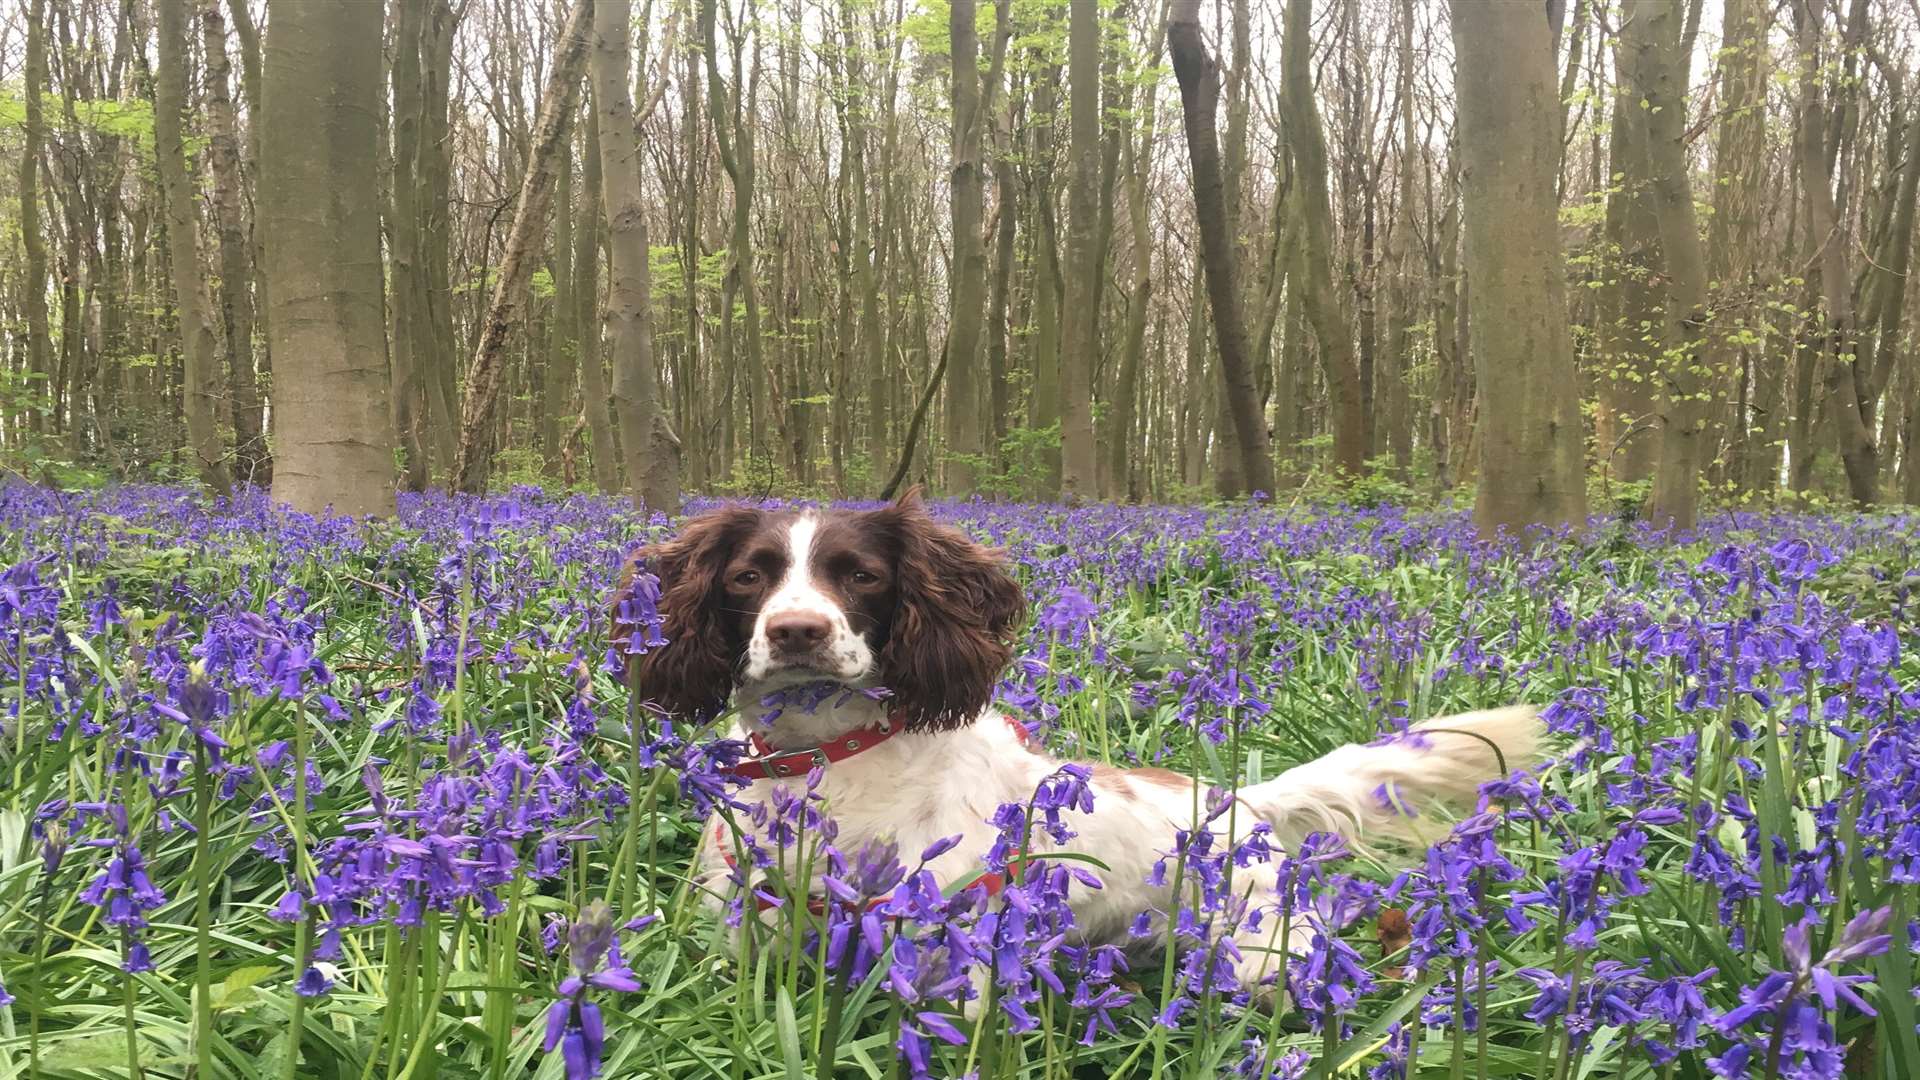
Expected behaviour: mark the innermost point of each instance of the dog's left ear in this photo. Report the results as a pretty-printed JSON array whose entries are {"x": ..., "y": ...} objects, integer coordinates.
[{"x": 954, "y": 620}]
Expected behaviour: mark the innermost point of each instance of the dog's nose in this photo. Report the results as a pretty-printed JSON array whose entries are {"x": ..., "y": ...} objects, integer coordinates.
[{"x": 797, "y": 631}]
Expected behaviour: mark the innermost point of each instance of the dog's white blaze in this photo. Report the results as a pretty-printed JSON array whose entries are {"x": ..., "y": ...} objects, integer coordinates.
[{"x": 846, "y": 654}]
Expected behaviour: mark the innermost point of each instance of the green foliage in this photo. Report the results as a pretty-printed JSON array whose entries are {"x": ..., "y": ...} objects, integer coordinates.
[
  {"x": 668, "y": 279},
  {"x": 1023, "y": 466},
  {"x": 130, "y": 119}
]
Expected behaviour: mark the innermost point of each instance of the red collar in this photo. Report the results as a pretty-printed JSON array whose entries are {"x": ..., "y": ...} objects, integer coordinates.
[
  {"x": 772, "y": 764},
  {"x": 769, "y": 763}
]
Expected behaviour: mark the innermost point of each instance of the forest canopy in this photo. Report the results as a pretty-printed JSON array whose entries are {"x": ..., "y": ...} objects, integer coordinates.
[{"x": 1563, "y": 257}]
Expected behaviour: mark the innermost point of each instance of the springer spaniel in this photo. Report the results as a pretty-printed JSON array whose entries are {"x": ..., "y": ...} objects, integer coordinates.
[{"x": 755, "y": 601}]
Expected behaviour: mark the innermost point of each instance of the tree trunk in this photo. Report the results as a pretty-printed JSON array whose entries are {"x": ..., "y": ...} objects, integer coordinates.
[
  {"x": 1402, "y": 301},
  {"x": 403, "y": 244},
  {"x": 1910, "y": 439},
  {"x": 33, "y": 241},
  {"x": 1654, "y": 73},
  {"x": 1080, "y": 339},
  {"x": 1323, "y": 307},
  {"x": 1005, "y": 257},
  {"x": 1531, "y": 453},
  {"x": 733, "y": 131},
  {"x": 250, "y": 83},
  {"x": 647, "y": 446},
  {"x": 972, "y": 105},
  {"x": 321, "y": 220},
  {"x": 1199, "y": 79},
  {"x": 433, "y": 346},
  {"x": 594, "y": 405},
  {"x": 473, "y": 460},
  {"x": 1043, "y": 413},
  {"x": 966, "y": 186},
  {"x": 1124, "y": 450},
  {"x": 1834, "y": 316},
  {"x": 564, "y": 332},
  {"x": 198, "y": 350},
  {"x": 251, "y": 460},
  {"x": 1740, "y": 341}
]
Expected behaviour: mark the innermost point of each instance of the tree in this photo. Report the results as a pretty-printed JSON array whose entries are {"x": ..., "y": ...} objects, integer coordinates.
[
  {"x": 321, "y": 220},
  {"x": 1654, "y": 70},
  {"x": 1530, "y": 439},
  {"x": 1323, "y": 308},
  {"x": 733, "y": 133},
  {"x": 32, "y": 241},
  {"x": 595, "y": 409},
  {"x": 973, "y": 94},
  {"x": 251, "y": 459},
  {"x": 1080, "y": 339},
  {"x": 197, "y": 347},
  {"x": 1740, "y": 197},
  {"x": 1199, "y": 79},
  {"x": 1848, "y": 403},
  {"x": 408, "y": 298},
  {"x": 648, "y": 447},
  {"x": 473, "y": 460}
]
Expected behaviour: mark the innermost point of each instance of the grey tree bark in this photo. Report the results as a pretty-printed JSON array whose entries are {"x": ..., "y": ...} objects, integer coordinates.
[
  {"x": 321, "y": 219},
  {"x": 1323, "y": 307},
  {"x": 1531, "y": 454},
  {"x": 251, "y": 459},
  {"x": 198, "y": 349},
  {"x": 973, "y": 96},
  {"x": 594, "y": 399},
  {"x": 33, "y": 241},
  {"x": 1080, "y": 339},
  {"x": 1652, "y": 66},
  {"x": 649, "y": 450},
  {"x": 473, "y": 459},
  {"x": 1199, "y": 78}
]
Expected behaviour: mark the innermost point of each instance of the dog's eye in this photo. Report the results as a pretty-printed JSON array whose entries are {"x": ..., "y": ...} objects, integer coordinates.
[
  {"x": 747, "y": 577},
  {"x": 862, "y": 577}
]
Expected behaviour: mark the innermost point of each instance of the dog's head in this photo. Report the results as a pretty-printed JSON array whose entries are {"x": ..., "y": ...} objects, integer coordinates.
[{"x": 755, "y": 600}]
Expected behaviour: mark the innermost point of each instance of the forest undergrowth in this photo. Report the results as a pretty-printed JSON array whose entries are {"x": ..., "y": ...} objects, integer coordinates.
[{"x": 284, "y": 796}]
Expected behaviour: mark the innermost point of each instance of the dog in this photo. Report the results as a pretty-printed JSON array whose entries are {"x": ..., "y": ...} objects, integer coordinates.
[{"x": 752, "y": 602}]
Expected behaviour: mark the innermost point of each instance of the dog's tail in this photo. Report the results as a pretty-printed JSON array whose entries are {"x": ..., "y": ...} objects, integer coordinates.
[{"x": 1390, "y": 788}]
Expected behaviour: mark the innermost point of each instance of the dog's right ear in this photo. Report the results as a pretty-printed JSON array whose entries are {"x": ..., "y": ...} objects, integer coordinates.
[{"x": 691, "y": 676}]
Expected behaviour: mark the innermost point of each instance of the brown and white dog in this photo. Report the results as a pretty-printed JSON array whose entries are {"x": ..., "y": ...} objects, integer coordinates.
[{"x": 753, "y": 601}]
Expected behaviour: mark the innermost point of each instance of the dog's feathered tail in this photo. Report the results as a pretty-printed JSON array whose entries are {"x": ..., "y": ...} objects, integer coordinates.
[{"x": 1392, "y": 788}]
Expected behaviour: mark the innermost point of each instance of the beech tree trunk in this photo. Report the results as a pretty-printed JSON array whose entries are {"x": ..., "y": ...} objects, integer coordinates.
[
  {"x": 733, "y": 133},
  {"x": 32, "y": 240},
  {"x": 1739, "y": 342},
  {"x": 198, "y": 350},
  {"x": 967, "y": 424},
  {"x": 1080, "y": 301},
  {"x": 1530, "y": 435},
  {"x": 564, "y": 331},
  {"x": 1199, "y": 78},
  {"x": 1834, "y": 315},
  {"x": 1323, "y": 307},
  {"x": 594, "y": 406},
  {"x": 408, "y": 296},
  {"x": 1125, "y": 458},
  {"x": 321, "y": 222},
  {"x": 473, "y": 460},
  {"x": 251, "y": 460},
  {"x": 1655, "y": 73},
  {"x": 647, "y": 445}
]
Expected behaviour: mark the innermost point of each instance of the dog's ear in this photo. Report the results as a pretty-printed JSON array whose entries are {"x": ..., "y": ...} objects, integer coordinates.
[
  {"x": 955, "y": 614},
  {"x": 692, "y": 675}
]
